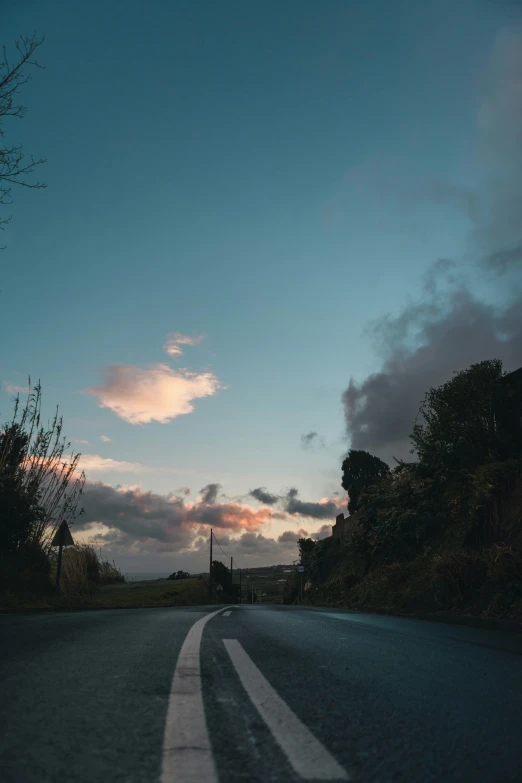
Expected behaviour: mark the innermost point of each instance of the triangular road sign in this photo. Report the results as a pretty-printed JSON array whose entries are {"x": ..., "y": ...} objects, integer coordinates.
[{"x": 63, "y": 536}]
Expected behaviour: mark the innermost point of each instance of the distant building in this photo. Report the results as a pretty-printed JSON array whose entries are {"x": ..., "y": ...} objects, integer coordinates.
[{"x": 343, "y": 526}]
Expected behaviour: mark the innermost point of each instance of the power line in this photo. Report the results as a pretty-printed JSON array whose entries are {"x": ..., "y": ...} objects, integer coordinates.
[{"x": 219, "y": 545}]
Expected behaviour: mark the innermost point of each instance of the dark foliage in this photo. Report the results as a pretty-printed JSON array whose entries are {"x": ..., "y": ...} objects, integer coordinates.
[
  {"x": 179, "y": 575},
  {"x": 360, "y": 470}
]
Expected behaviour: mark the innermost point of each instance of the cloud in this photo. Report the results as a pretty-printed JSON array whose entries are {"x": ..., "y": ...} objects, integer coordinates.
[
  {"x": 175, "y": 340},
  {"x": 288, "y": 536},
  {"x": 453, "y": 329},
  {"x": 105, "y": 439},
  {"x": 11, "y": 388},
  {"x": 311, "y": 439},
  {"x": 83, "y": 442},
  {"x": 451, "y": 326},
  {"x": 185, "y": 490},
  {"x": 504, "y": 260},
  {"x": 157, "y": 393},
  {"x": 92, "y": 463},
  {"x": 324, "y": 532},
  {"x": 321, "y": 510},
  {"x": 134, "y": 515},
  {"x": 262, "y": 494},
  {"x": 209, "y": 493}
]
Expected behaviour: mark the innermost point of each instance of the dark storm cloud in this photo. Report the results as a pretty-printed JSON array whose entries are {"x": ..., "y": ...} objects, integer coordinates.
[
  {"x": 166, "y": 519},
  {"x": 311, "y": 439},
  {"x": 324, "y": 532},
  {"x": 452, "y": 326},
  {"x": 453, "y": 329},
  {"x": 504, "y": 260},
  {"x": 210, "y": 492},
  {"x": 290, "y": 536},
  {"x": 293, "y": 505},
  {"x": 264, "y": 496}
]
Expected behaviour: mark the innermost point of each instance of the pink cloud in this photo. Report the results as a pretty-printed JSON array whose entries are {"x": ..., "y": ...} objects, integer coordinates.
[
  {"x": 91, "y": 463},
  {"x": 156, "y": 393},
  {"x": 175, "y": 340},
  {"x": 167, "y": 519}
]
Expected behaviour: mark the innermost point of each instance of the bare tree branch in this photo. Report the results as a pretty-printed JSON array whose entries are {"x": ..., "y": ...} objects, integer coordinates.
[{"x": 14, "y": 166}]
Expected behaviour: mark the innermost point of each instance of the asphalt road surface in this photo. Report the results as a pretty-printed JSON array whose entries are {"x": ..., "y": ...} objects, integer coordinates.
[{"x": 256, "y": 693}]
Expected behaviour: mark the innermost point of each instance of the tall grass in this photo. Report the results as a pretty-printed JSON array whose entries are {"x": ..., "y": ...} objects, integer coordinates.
[
  {"x": 38, "y": 489},
  {"x": 84, "y": 570}
]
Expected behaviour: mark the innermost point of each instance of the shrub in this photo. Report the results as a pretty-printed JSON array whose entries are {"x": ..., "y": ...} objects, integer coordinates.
[
  {"x": 504, "y": 564},
  {"x": 461, "y": 571},
  {"x": 110, "y": 573}
]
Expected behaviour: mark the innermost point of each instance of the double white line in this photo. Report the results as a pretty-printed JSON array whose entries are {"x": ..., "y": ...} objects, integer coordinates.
[{"x": 187, "y": 752}]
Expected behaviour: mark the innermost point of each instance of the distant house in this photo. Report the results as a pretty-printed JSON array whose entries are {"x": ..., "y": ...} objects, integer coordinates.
[{"x": 344, "y": 526}]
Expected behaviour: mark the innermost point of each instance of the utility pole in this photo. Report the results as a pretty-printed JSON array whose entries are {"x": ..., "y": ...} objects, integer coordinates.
[
  {"x": 231, "y": 569},
  {"x": 252, "y": 585},
  {"x": 210, "y": 572},
  {"x": 240, "y": 593}
]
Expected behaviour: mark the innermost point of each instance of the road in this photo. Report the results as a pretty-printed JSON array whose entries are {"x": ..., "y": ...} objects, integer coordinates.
[{"x": 256, "y": 693}]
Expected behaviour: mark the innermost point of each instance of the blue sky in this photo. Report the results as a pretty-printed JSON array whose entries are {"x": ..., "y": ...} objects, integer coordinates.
[{"x": 271, "y": 175}]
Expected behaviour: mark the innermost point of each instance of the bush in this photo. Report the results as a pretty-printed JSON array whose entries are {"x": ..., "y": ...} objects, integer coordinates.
[
  {"x": 26, "y": 571},
  {"x": 179, "y": 575},
  {"x": 110, "y": 573},
  {"x": 504, "y": 565},
  {"x": 460, "y": 572}
]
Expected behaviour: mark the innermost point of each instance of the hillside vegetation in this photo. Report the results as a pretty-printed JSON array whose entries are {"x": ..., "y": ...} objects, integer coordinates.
[{"x": 444, "y": 533}]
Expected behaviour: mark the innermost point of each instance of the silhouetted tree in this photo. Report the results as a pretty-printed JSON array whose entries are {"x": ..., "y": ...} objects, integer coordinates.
[
  {"x": 360, "y": 471},
  {"x": 221, "y": 576},
  {"x": 459, "y": 429},
  {"x": 179, "y": 575}
]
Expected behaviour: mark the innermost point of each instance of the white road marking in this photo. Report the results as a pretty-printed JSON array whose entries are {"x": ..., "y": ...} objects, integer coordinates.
[
  {"x": 225, "y": 614},
  {"x": 187, "y": 753},
  {"x": 309, "y": 758}
]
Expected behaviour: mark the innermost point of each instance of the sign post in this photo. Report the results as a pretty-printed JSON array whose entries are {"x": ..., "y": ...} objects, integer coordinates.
[{"x": 62, "y": 538}]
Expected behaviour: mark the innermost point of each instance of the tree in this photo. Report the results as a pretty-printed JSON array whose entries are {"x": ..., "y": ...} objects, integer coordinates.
[
  {"x": 179, "y": 575},
  {"x": 459, "y": 430},
  {"x": 306, "y": 547},
  {"x": 221, "y": 576},
  {"x": 34, "y": 483},
  {"x": 14, "y": 166},
  {"x": 360, "y": 470}
]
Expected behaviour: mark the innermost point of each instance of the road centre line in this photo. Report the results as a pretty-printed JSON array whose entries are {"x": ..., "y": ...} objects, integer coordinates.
[
  {"x": 187, "y": 752},
  {"x": 225, "y": 614},
  {"x": 309, "y": 758}
]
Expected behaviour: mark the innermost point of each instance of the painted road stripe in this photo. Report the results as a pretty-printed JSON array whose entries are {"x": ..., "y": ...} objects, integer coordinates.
[
  {"x": 225, "y": 614},
  {"x": 187, "y": 753},
  {"x": 306, "y": 754}
]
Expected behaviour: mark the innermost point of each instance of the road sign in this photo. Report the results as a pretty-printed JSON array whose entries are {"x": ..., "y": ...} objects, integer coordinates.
[
  {"x": 219, "y": 587},
  {"x": 300, "y": 569},
  {"x": 63, "y": 536}
]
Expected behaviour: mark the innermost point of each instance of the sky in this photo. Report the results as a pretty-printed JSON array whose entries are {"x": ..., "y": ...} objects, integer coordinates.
[{"x": 268, "y": 228}]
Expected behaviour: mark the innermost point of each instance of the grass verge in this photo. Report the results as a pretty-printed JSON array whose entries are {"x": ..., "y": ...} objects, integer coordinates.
[{"x": 125, "y": 595}]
